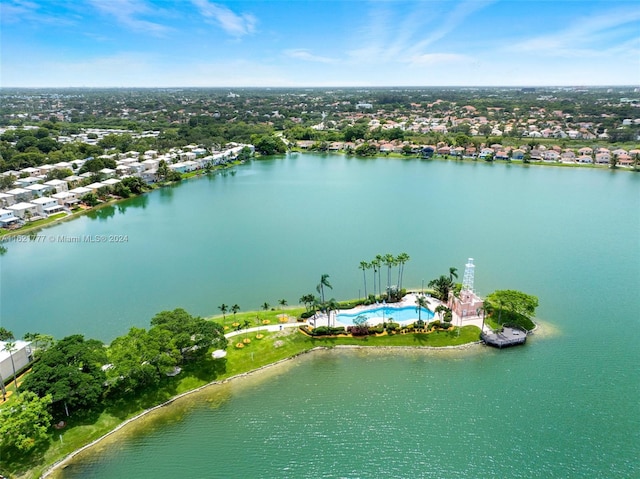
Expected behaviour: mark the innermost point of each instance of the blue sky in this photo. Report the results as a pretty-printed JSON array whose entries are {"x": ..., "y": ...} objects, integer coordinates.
[{"x": 163, "y": 43}]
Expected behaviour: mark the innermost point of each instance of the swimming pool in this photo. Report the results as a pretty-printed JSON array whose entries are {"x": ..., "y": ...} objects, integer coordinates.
[{"x": 403, "y": 314}]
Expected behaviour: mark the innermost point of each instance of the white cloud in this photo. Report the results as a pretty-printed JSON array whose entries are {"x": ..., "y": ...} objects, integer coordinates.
[
  {"x": 23, "y": 11},
  {"x": 438, "y": 58},
  {"x": 126, "y": 12},
  {"x": 232, "y": 23},
  {"x": 303, "y": 54},
  {"x": 586, "y": 37}
]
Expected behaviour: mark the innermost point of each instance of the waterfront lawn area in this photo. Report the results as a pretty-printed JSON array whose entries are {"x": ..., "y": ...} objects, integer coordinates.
[
  {"x": 34, "y": 224},
  {"x": 274, "y": 346}
]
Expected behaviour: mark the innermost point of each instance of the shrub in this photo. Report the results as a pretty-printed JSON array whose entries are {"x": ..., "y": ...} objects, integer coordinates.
[
  {"x": 359, "y": 330},
  {"x": 307, "y": 314}
]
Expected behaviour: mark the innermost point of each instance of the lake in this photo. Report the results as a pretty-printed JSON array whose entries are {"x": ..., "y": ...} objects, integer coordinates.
[{"x": 566, "y": 404}]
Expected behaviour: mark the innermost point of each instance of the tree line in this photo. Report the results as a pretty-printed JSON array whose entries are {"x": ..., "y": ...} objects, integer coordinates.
[{"x": 80, "y": 377}]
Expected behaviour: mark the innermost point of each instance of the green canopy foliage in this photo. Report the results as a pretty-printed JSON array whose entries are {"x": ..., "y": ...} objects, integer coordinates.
[
  {"x": 24, "y": 425},
  {"x": 70, "y": 372}
]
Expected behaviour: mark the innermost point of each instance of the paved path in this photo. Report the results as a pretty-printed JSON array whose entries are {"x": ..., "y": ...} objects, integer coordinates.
[{"x": 266, "y": 327}]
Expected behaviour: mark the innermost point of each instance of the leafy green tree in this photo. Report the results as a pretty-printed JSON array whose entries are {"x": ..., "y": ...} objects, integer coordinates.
[
  {"x": 135, "y": 184},
  {"x": 90, "y": 199},
  {"x": 191, "y": 335},
  {"x": 6, "y": 182},
  {"x": 163, "y": 170},
  {"x": 59, "y": 174},
  {"x": 70, "y": 371},
  {"x": 514, "y": 301},
  {"x": 269, "y": 145},
  {"x": 25, "y": 424},
  {"x": 140, "y": 357},
  {"x": 121, "y": 190}
]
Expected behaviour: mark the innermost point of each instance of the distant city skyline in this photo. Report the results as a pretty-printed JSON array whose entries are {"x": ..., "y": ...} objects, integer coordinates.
[{"x": 331, "y": 43}]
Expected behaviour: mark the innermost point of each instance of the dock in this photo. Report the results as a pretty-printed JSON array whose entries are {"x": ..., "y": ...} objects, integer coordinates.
[{"x": 507, "y": 336}]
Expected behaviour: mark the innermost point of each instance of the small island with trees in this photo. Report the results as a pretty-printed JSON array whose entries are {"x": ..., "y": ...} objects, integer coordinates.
[{"x": 78, "y": 390}]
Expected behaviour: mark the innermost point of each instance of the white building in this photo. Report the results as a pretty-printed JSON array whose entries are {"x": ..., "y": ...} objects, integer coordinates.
[
  {"x": 7, "y": 218},
  {"x": 58, "y": 185},
  {"x": 21, "y": 356},
  {"x": 23, "y": 210},
  {"x": 47, "y": 206}
]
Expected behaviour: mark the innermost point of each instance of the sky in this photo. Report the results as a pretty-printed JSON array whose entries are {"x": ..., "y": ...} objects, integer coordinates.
[{"x": 306, "y": 43}]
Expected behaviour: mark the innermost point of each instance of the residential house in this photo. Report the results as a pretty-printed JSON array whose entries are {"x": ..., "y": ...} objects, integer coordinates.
[
  {"x": 39, "y": 190},
  {"x": 585, "y": 150},
  {"x": 80, "y": 191},
  {"x": 517, "y": 154},
  {"x": 23, "y": 210},
  {"x": 150, "y": 164},
  {"x": 550, "y": 156},
  {"x": 179, "y": 167},
  {"x": 24, "y": 182},
  {"x": 65, "y": 198},
  {"x": 6, "y": 199},
  {"x": 110, "y": 181},
  {"x": 20, "y": 194},
  {"x": 95, "y": 186},
  {"x": 603, "y": 158},
  {"x": 58, "y": 185},
  {"x": 108, "y": 172},
  {"x": 585, "y": 159},
  {"x": 47, "y": 206},
  {"x": 7, "y": 218}
]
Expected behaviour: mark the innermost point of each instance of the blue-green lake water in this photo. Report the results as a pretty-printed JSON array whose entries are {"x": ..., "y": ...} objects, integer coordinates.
[{"x": 564, "y": 405}]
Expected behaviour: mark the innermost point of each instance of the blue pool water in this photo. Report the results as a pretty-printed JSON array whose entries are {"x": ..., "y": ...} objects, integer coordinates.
[{"x": 388, "y": 313}]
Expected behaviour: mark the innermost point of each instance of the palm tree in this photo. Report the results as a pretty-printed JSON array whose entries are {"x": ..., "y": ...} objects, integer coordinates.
[
  {"x": 282, "y": 302},
  {"x": 329, "y": 306},
  {"x": 421, "y": 302},
  {"x": 324, "y": 281},
  {"x": 402, "y": 259},
  {"x": 375, "y": 264},
  {"x": 441, "y": 286},
  {"x": 453, "y": 273},
  {"x": 10, "y": 347},
  {"x": 441, "y": 309},
  {"x": 266, "y": 306},
  {"x": 379, "y": 260},
  {"x": 307, "y": 300},
  {"x": 234, "y": 309},
  {"x": 389, "y": 261},
  {"x": 364, "y": 266},
  {"x": 223, "y": 307}
]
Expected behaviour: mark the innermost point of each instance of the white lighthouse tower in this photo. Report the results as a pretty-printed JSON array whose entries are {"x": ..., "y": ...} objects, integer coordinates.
[
  {"x": 469, "y": 273},
  {"x": 468, "y": 303}
]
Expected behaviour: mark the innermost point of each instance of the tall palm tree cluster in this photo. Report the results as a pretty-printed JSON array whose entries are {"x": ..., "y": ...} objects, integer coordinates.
[{"x": 376, "y": 264}]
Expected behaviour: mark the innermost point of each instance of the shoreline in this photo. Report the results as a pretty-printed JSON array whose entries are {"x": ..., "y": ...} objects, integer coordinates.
[{"x": 60, "y": 464}]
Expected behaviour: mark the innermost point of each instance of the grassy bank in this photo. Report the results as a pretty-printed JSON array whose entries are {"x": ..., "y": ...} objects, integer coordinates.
[{"x": 257, "y": 353}]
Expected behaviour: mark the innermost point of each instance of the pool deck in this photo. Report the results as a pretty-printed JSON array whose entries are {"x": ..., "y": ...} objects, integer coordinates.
[{"x": 408, "y": 301}]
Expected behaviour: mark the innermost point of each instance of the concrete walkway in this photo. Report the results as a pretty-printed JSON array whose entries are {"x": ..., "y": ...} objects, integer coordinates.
[{"x": 266, "y": 327}]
